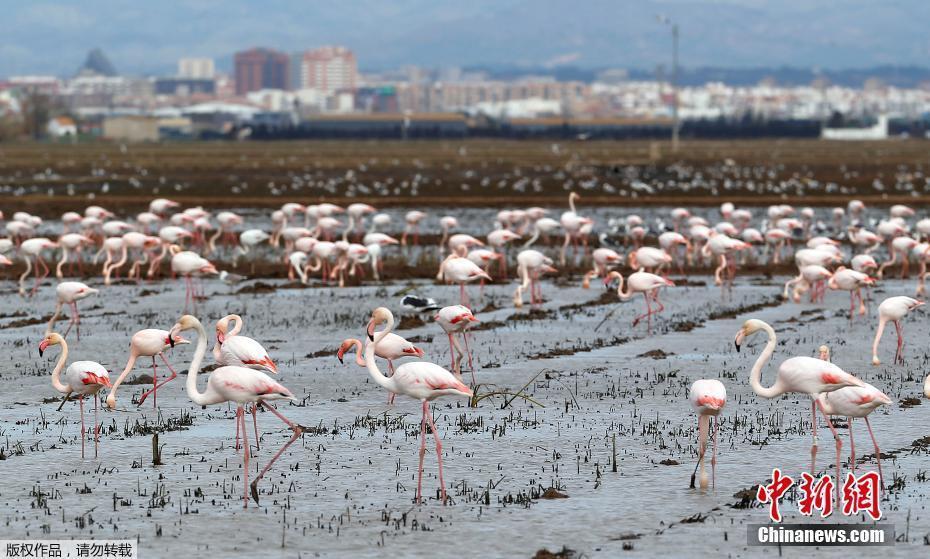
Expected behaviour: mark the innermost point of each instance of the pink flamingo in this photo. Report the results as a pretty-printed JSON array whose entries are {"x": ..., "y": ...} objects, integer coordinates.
[
  {"x": 147, "y": 343},
  {"x": 33, "y": 248},
  {"x": 456, "y": 319},
  {"x": 188, "y": 264},
  {"x": 852, "y": 402},
  {"x": 648, "y": 258},
  {"x": 69, "y": 293},
  {"x": 708, "y": 397},
  {"x": 421, "y": 380},
  {"x": 893, "y": 310},
  {"x": 242, "y": 386},
  {"x": 391, "y": 348},
  {"x": 800, "y": 375},
  {"x": 645, "y": 283},
  {"x": 71, "y": 243},
  {"x": 499, "y": 239},
  {"x": 603, "y": 259},
  {"x": 83, "y": 378},
  {"x": 852, "y": 281},
  {"x": 461, "y": 270},
  {"x": 240, "y": 351},
  {"x": 413, "y": 219},
  {"x": 531, "y": 264}
]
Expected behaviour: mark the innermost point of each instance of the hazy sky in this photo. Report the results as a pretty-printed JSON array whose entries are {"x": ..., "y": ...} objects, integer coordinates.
[{"x": 147, "y": 37}]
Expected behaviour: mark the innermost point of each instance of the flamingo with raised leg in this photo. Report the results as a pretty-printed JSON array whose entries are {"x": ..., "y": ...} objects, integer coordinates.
[{"x": 242, "y": 386}]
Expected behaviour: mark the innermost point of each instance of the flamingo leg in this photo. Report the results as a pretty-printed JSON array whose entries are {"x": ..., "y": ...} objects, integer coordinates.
[
  {"x": 899, "y": 354},
  {"x": 240, "y": 419},
  {"x": 814, "y": 438},
  {"x": 298, "y": 431},
  {"x": 852, "y": 446},
  {"x": 391, "y": 394},
  {"x": 432, "y": 424},
  {"x": 839, "y": 448},
  {"x": 713, "y": 458},
  {"x": 237, "y": 430},
  {"x": 81, "y": 402},
  {"x": 419, "y": 498},
  {"x": 254, "y": 424},
  {"x": 96, "y": 426},
  {"x": 878, "y": 453},
  {"x": 468, "y": 352}
]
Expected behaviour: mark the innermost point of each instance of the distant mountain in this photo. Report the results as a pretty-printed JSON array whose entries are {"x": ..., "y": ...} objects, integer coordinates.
[
  {"x": 97, "y": 64},
  {"x": 149, "y": 37}
]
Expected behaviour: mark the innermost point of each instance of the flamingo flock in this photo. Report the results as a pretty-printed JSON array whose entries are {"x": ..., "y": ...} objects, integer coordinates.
[{"x": 303, "y": 240}]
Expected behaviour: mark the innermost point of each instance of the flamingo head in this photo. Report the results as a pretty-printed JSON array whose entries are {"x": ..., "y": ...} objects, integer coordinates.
[
  {"x": 51, "y": 339},
  {"x": 378, "y": 316},
  {"x": 186, "y": 322},
  {"x": 749, "y": 328},
  {"x": 346, "y": 346},
  {"x": 824, "y": 353},
  {"x": 711, "y": 402}
]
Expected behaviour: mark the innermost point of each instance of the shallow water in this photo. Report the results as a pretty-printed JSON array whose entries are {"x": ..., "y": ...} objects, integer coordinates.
[{"x": 346, "y": 488}]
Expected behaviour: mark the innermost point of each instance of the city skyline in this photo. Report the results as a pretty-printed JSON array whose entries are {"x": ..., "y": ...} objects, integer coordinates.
[{"x": 547, "y": 33}]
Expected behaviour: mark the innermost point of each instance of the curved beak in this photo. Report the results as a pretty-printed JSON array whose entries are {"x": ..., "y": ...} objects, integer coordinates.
[
  {"x": 42, "y": 347},
  {"x": 371, "y": 330},
  {"x": 738, "y": 340}
]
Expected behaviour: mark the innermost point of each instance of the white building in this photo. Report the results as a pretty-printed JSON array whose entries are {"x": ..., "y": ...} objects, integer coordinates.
[
  {"x": 196, "y": 68},
  {"x": 328, "y": 69},
  {"x": 61, "y": 127}
]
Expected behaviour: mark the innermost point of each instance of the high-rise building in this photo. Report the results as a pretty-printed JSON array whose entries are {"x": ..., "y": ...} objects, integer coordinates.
[
  {"x": 196, "y": 68},
  {"x": 328, "y": 69},
  {"x": 260, "y": 68}
]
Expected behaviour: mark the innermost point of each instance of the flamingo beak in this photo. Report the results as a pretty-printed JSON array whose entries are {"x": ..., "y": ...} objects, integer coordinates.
[
  {"x": 42, "y": 347},
  {"x": 371, "y": 330},
  {"x": 220, "y": 337},
  {"x": 738, "y": 340}
]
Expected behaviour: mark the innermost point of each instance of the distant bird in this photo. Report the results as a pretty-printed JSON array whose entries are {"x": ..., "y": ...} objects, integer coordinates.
[
  {"x": 457, "y": 319},
  {"x": 69, "y": 293},
  {"x": 708, "y": 397},
  {"x": 83, "y": 378},
  {"x": 419, "y": 304},
  {"x": 645, "y": 283},
  {"x": 893, "y": 310},
  {"x": 231, "y": 279}
]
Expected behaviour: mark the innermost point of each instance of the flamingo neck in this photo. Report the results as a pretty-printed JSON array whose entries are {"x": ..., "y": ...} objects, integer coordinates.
[
  {"x": 111, "y": 397},
  {"x": 624, "y": 296},
  {"x": 384, "y": 382},
  {"x": 359, "y": 359},
  {"x": 237, "y": 328},
  {"x": 56, "y": 373},
  {"x": 199, "y": 398},
  {"x": 755, "y": 377},
  {"x": 571, "y": 202}
]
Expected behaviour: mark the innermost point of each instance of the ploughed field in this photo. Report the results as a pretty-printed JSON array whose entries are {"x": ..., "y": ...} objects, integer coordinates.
[
  {"x": 462, "y": 173},
  {"x": 600, "y": 416}
]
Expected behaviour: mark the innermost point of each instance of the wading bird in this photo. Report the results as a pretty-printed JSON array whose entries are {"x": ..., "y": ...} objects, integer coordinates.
[
  {"x": 420, "y": 380},
  {"x": 893, "y": 310},
  {"x": 708, "y": 397},
  {"x": 69, "y": 293},
  {"x": 147, "y": 343}
]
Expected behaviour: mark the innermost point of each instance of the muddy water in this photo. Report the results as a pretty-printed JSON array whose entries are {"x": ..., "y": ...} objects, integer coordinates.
[{"x": 346, "y": 488}]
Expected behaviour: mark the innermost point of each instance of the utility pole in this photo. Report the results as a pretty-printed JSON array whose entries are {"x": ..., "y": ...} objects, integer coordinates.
[{"x": 674, "y": 81}]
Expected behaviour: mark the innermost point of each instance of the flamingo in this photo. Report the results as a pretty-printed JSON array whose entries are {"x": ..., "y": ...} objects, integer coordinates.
[
  {"x": 800, "y": 375},
  {"x": 169, "y": 235},
  {"x": 461, "y": 270},
  {"x": 808, "y": 276},
  {"x": 187, "y": 264},
  {"x": 645, "y": 283},
  {"x": 83, "y": 378},
  {"x": 69, "y": 293},
  {"x": 242, "y": 386},
  {"x": 649, "y": 258},
  {"x": 447, "y": 223},
  {"x": 853, "y": 402},
  {"x": 852, "y": 281},
  {"x": 33, "y": 248},
  {"x": 499, "y": 239},
  {"x": 413, "y": 219},
  {"x": 391, "y": 348},
  {"x": 721, "y": 245},
  {"x": 708, "y": 397},
  {"x": 457, "y": 319},
  {"x": 71, "y": 243},
  {"x": 900, "y": 246},
  {"x": 150, "y": 342},
  {"x": 531, "y": 264},
  {"x": 420, "y": 380},
  {"x": 893, "y": 310},
  {"x": 250, "y": 239},
  {"x": 571, "y": 223},
  {"x": 240, "y": 351},
  {"x": 603, "y": 259}
]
